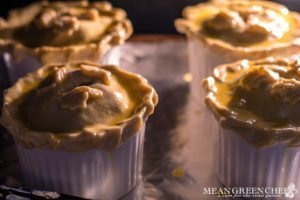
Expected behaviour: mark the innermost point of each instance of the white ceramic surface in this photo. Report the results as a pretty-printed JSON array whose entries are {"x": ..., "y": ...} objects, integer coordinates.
[
  {"x": 240, "y": 164},
  {"x": 25, "y": 63},
  {"x": 93, "y": 174},
  {"x": 201, "y": 64}
]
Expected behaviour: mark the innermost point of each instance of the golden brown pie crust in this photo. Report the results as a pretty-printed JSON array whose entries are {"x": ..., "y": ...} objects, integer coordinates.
[
  {"x": 259, "y": 100},
  {"x": 81, "y": 106},
  {"x": 286, "y": 43},
  {"x": 119, "y": 29}
]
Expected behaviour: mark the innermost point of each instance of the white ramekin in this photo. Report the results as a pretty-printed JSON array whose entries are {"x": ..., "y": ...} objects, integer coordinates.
[
  {"x": 202, "y": 61},
  {"x": 25, "y": 62},
  {"x": 205, "y": 56},
  {"x": 240, "y": 164},
  {"x": 93, "y": 174},
  {"x": 201, "y": 65}
]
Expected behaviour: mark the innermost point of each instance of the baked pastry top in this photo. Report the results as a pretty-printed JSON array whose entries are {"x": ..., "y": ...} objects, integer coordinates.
[
  {"x": 260, "y": 99},
  {"x": 60, "y": 32},
  {"x": 241, "y": 23},
  {"x": 77, "y": 106},
  {"x": 59, "y": 24}
]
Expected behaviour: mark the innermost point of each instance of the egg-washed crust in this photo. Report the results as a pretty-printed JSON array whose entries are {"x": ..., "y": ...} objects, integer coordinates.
[
  {"x": 261, "y": 133},
  {"x": 106, "y": 137},
  {"x": 119, "y": 31},
  {"x": 187, "y": 25}
]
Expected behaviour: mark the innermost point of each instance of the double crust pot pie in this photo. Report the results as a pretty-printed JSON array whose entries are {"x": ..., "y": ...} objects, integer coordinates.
[
  {"x": 60, "y": 32},
  {"x": 224, "y": 31},
  {"x": 80, "y": 123},
  {"x": 241, "y": 28},
  {"x": 258, "y": 99},
  {"x": 77, "y": 107},
  {"x": 257, "y": 106}
]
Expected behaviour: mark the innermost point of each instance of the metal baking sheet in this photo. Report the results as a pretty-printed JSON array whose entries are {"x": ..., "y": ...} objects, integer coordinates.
[{"x": 178, "y": 158}]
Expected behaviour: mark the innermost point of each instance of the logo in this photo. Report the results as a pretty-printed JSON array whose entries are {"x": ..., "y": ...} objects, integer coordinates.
[
  {"x": 252, "y": 192},
  {"x": 291, "y": 191}
]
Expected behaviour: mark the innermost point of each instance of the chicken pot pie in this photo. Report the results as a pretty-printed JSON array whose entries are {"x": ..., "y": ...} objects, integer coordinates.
[
  {"x": 60, "y": 32},
  {"x": 256, "y": 104},
  {"x": 80, "y": 123}
]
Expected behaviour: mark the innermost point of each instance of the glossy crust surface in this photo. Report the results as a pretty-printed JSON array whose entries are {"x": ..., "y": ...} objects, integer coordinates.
[
  {"x": 242, "y": 29},
  {"x": 77, "y": 106},
  {"x": 259, "y": 100},
  {"x": 58, "y": 32}
]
